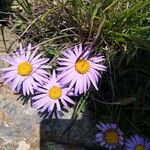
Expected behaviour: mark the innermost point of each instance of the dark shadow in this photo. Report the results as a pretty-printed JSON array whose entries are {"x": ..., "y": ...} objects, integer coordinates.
[
  {"x": 68, "y": 134},
  {"x": 4, "y": 8},
  {"x": 24, "y": 99}
]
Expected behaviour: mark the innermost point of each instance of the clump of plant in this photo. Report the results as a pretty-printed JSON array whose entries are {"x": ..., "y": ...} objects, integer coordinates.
[{"x": 119, "y": 30}]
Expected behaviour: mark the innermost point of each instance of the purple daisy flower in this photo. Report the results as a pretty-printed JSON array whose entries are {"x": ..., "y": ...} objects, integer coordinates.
[
  {"x": 110, "y": 136},
  {"x": 137, "y": 142},
  {"x": 80, "y": 73},
  {"x": 52, "y": 94},
  {"x": 26, "y": 70}
]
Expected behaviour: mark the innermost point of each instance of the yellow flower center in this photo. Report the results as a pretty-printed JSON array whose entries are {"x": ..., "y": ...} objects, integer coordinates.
[
  {"x": 55, "y": 92},
  {"x": 82, "y": 66},
  {"x": 140, "y": 147},
  {"x": 25, "y": 68},
  {"x": 111, "y": 136}
]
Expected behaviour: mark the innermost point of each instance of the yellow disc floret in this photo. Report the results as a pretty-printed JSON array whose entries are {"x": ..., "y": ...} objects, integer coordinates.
[
  {"x": 111, "y": 136},
  {"x": 25, "y": 68},
  {"x": 55, "y": 92},
  {"x": 140, "y": 147},
  {"x": 82, "y": 66}
]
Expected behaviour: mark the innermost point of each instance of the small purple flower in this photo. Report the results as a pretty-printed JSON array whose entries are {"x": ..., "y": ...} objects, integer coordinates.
[
  {"x": 137, "y": 142},
  {"x": 80, "y": 73},
  {"x": 52, "y": 95},
  {"x": 110, "y": 136},
  {"x": 26, "y": 70}
]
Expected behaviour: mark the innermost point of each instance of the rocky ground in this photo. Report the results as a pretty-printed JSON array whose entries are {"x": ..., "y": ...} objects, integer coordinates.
[{"x": 21, "y": 128}]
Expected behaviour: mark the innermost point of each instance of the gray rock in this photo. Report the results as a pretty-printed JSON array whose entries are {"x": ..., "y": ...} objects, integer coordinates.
[
  {"x": 56, "y": 146},
  {"x": 21, "y": 124},
  {"x": 18, "y": 123},
  {"x": 9, "y": 37},
  {"x": 80, "y": 132}
]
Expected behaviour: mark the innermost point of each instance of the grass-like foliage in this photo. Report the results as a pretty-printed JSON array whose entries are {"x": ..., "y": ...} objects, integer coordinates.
[{"x": 117, "y": 28}]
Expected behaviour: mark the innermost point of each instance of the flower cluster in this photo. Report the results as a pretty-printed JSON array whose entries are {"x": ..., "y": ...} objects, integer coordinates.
[
  {"x": 28, "y": 74},
  {"x": 111, "y": 137}
]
